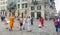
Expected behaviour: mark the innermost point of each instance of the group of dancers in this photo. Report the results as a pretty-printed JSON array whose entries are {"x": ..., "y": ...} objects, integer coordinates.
[{"x": 28, "y": 21}]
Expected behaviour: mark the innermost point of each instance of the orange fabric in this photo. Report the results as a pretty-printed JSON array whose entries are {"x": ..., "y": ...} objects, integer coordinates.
[{"x": 11, "y": 21}]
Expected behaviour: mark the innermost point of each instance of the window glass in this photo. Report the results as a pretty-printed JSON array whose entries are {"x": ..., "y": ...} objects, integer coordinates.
[
  {"x": 38, "y": 7},
  {"x": 22, "y": 5},
  {"x": 18, "y": 5},
  {"x": 32, "y": 7},
  {"x": 25, "y": 5}
]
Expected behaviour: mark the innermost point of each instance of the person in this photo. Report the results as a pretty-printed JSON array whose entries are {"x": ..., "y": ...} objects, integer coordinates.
[
  {"x": 31, "y": 20},
  {"x": 21, "y": 23},
  {"x": 11, "y": 22},
  {"x": 18, "y": 22},
  {"x": 28, "y": 21},
  {"x": 6, "y": 22},
  {"x": 59, "y": 23},
  {"x": 56, "y": 23},
  {"x": 41, "y": 22},
  {"x": 24, "y": 22},
  {"x": 2, "y": 17}
]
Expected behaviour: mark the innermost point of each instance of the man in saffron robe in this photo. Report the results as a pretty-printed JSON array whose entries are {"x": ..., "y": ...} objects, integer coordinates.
[{"x": 11, "y": 22}]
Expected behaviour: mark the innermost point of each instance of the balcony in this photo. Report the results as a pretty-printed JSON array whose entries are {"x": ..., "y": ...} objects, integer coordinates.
[
  {"x": 46, "y": 1},
  {"x": 51, "y": 0},
  {"x": 53, "y": 3},
  {"x": 35, "y": 2}
]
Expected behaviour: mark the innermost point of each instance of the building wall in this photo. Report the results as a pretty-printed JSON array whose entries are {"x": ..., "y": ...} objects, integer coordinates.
[
  {"x": 29, "y": 4},
  {"x": 46, "y": 6},
  {"x": 41, "y": 3},
  {"x": 3, "y": 6}
]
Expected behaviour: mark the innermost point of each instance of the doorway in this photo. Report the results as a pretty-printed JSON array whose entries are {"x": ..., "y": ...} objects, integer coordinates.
[
  {"x": 32, "y": 14},
  {"x": 38, "y": 15}
]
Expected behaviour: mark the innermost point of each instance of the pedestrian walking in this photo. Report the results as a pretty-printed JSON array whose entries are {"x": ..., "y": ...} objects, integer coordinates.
[
  {"x": 24, "y": 22},
  {"x": 11, "y": 22},
  {"x": 56, "y": 23},
  {"x": 6, "y": 23},
  {"x": 31, "y": 20},
  {"x": 41, "y": 22},
  {"x": 18, "y": 22},
  {"x": 2, "y": 17},
  {"x": 21, "y": 23},
  {"x": 28, "y": 21}
]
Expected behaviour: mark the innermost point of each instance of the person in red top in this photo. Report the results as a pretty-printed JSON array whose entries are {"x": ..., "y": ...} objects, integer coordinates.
[
  {"x": 56, "y": 23},
  {"x": 41, "y": 20}
]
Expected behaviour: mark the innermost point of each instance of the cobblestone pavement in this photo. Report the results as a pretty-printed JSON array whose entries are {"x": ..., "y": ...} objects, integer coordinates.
[
  {"x": 58, "y": 32},
  {"x": 48, "y": 29}
]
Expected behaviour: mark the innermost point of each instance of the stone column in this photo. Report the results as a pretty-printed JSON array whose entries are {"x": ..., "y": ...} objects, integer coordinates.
[
  {"x": 16, "y": 13},
  {"x": 35, "y": 15},
  {"x": 42, "y": 11}
]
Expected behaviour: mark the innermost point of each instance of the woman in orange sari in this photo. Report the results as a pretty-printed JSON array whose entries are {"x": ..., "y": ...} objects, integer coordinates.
[{"x": 11, "y": 22}]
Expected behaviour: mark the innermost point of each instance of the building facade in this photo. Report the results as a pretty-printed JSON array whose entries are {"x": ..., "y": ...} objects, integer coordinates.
[
  {"x": 3, "y": 7},
  {"x": 11, "y": 6},
  {"x": 35, "y": 8},
  {"x": 32, "y": 8}
]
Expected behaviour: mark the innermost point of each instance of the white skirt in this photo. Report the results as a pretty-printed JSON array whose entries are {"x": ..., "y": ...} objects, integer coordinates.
[{"x": 29, "y": 26}]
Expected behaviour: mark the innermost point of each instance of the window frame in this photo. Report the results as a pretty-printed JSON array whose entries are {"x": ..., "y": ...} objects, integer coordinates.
[
  {"x": 39, "y": 7},
  {"x": 32, "y": 7},
  {"x": 18, "y": 5}
]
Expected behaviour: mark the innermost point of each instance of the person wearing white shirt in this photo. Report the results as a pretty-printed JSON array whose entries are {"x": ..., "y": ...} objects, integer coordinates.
[
  {"x": 29, "y": 24},
  {"x": 24, "y": 22},
  {"x": 6, "y": 23}
]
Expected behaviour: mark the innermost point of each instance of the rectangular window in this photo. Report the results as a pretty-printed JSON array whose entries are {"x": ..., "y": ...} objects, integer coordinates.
[
  {"x": 18, "y": 5},
  {"x": 3, "y": 2},
  {"x": 45, "y": 6},
  {"x": 18, "y": 12},
  {"x": 24, "y": 0},
  {"x": 32, "y": 7},
  {"x": 22, "y": 5},
  {"x": 38, "y": 7},
  {"x": 3, "y": 7},
  {"x": 6, "y": 2},
  {"x": 25, "y": 5},
  {"x": 18, "y": 0},
  {"x": 33, "y": 0},
  {"x": 0, "y": 3},
  {"x": 51, "y": 6},
  {"x": 51, "y": 0}
]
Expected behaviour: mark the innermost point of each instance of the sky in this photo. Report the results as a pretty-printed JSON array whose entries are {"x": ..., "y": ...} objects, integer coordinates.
[{"x": 57, "y": 4}]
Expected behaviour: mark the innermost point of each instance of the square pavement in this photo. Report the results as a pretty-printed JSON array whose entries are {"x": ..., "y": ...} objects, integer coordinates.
[{"x": 48, "y": 29}]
